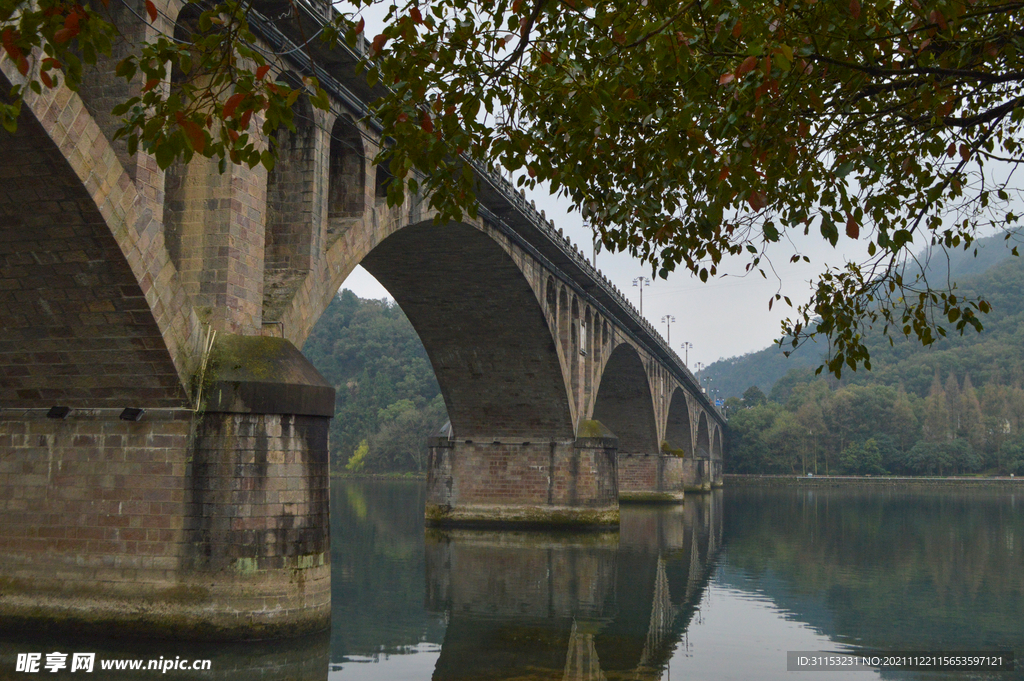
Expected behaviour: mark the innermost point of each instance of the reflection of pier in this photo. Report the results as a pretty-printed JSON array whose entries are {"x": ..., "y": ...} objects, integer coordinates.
[{"x": 572, "y": 607}]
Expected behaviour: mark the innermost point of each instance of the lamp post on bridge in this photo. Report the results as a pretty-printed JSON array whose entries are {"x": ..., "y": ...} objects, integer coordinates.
[
  {"x": 641, "y": 282},
  {"x": 668, "y": 319},
  {"x": 597, "y": 240},
  {"x": 686, "y": 349}
]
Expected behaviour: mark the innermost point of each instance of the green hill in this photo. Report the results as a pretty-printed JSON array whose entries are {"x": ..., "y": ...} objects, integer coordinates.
[
  {"x": 987, "y": 269},
  {"x": 387, "y": 396},
  {"x": 956, "y": 406}
]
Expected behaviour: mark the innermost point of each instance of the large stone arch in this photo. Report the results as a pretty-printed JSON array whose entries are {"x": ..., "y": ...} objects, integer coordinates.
[
  {"x": 716, "y": 444},
  {"x": 678, "y": 427},
  {"x": 483, "y": 328},
  {"x": 624, "y": 403},
  {"x": 703, "y": 449},
  {"x": 93, "y": 311}
]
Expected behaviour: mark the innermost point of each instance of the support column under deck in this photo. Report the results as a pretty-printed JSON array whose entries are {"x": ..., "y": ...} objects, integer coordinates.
[
  {"x": 195, "y": 525},
  {"x": 539, "y": 484},
  {"x": 651, "y": 478},
  {"x": 697, "y": 474}
]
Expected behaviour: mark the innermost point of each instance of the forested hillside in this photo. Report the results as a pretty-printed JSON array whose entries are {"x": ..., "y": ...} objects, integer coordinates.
[
  {"x": 388, "y": 401},
  {"x": 956, "y": 406},
  {"x": 973, "y": 272}
]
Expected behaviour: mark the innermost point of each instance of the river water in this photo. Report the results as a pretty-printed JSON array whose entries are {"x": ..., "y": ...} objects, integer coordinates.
[{"x": 722, "y": 587}]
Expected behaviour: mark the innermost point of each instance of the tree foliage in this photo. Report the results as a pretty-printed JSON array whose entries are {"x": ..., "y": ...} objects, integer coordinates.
[
  {"x": 208, "y": 91},
  {"x": 685, "y": 131},
  {"x": 877, "y": 430}
]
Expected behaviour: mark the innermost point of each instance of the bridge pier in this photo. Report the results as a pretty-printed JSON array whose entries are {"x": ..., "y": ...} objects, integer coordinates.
[
  {"x": 651, "y": 478},
  {"x": 540, "y": 484},
  {"x": 210, "y": 524},
  {"x": 697, "y": 474}
]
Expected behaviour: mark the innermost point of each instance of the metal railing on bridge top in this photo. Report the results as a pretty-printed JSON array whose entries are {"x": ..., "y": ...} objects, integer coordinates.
[{"x": 603, "y": 293}]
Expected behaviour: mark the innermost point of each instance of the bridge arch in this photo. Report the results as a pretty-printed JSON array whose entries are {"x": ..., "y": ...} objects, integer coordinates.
[
  {"x": 703, "y": 437},
  {"x": 624, "y": 402},
  {"x": 716, "y": 444},
  {"x": 678, "y": 428},
  {"x": 483, "y": 328},
  {"x": 563, "y": 320},
  {"x": 84, "y": 319},
  {"x": 551, "y": 298}
]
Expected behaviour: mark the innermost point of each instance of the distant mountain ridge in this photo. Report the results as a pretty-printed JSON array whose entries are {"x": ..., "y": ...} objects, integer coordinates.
[{"x": 972, "y": 273}]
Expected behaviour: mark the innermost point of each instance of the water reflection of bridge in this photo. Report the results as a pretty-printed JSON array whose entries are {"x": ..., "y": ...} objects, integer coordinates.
[{"x": 572, "y": 607}]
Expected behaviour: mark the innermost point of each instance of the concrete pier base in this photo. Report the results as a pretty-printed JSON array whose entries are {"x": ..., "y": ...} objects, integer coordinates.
[
  {"x": 697, "y": 474},
  {"x": 539, "y": 484},
  {"x": 653, "y": 478},
  {"x": 208, "y": 524}
]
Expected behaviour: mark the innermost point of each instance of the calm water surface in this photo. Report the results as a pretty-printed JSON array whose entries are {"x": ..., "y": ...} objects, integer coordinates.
[{"x": 720, "y": 588}]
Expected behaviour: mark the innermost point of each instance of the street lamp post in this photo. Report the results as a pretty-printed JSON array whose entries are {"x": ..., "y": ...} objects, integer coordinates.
[
  {"x": 641, "y": 282},
  {"x": 668, "y": 319},
  {"x": 686, "y": 349},
  {"x": 597, "y": 240}
]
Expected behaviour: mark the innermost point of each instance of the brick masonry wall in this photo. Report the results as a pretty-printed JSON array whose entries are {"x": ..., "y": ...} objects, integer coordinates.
[
  {"x": 657, "y": 473},
  {"x": 638, "y": 473},
  {"x": 105, "y": 519},
  {"x": 294, "y": 211},
  {"x": 696, "y": 474},
  {"x": 91, "y": 504},
  {"x": 77, "y": 328},
  {"x": 541, "y": 483},
  {"x": 258, "y": 518}
]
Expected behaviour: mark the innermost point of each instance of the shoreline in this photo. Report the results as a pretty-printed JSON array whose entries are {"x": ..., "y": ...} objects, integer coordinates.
[
  {"x": 378, "y": 476},
  {"x": 757, "y": 480}
]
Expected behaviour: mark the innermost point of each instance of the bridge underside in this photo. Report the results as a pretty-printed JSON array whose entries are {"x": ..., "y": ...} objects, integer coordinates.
[
  {"x": 77, "y": 329},
  {"x": 512, "y": 456}
]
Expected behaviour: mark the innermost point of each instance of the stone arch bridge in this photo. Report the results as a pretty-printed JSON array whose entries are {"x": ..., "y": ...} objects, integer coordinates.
[{"x": 163, "y": 443}]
